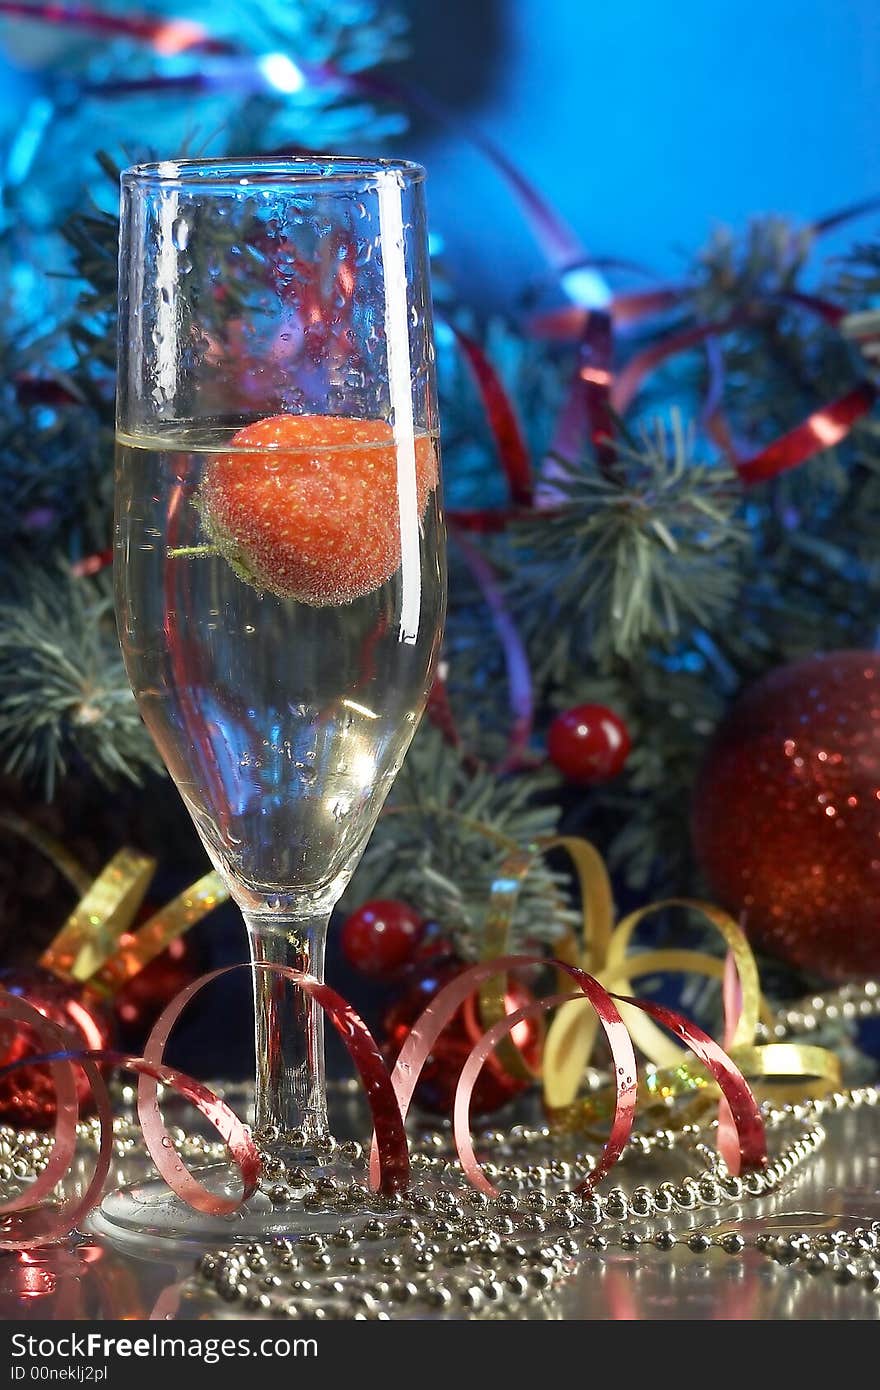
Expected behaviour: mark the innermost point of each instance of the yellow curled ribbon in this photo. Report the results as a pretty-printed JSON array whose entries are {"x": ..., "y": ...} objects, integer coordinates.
[
  {"x": 604, "y": 950},
  {"x": 95, "y": 945}
]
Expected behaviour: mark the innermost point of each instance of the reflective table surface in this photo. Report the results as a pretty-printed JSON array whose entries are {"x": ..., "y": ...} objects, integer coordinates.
[{"x": 90, "y": 1279}]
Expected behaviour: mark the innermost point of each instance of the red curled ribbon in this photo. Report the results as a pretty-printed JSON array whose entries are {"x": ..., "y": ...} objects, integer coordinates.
[
  {"x": 733, "y": 1085},
  {"x": 468, "y": 1079},
  {"x": 430, "y": 1024},
  {"x": 392, "y": 1174},
  {"x": 157, "y": 1139},
  {"x": 821, "y": 430},
  {"x": 389, "y": 1096},
  {"x": 501, "y": 417},
  {"x": 45, "y": 1225},
  {"x": 587, "y": 413},
  {"x": 166, "y": 35},
  {"x": 743, "y": 1108}
]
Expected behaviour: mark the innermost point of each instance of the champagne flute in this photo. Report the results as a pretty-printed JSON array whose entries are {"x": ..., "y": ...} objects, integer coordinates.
[{"x": 279, "y": 556}]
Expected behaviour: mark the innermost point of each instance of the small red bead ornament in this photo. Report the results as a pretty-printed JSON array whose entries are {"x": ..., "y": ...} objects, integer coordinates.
[
  {"x": 381, "y": 936},
  {"x": 588, "y": 743},
  {"x": 308, "y": 506}
]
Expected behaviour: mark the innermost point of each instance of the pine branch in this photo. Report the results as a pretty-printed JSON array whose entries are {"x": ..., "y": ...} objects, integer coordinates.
[
  {"x": 427, "y": 847},
  {"x": 754, "y": 267},
  {"x": 629, "y": 560},
  {"x": 93, "y": 236},
  {"x": 64, "y": 696}
]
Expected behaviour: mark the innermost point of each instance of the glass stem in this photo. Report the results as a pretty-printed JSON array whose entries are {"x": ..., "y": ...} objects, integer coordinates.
[{"x": 289, "y": 1034}]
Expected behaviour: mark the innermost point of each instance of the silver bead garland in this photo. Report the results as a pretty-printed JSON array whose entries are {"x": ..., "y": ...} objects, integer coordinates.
[
  {"x": 850, "y": 1003},
  {"x": 445, "y": 1249},
  {"x": 448, "y": 1250}
]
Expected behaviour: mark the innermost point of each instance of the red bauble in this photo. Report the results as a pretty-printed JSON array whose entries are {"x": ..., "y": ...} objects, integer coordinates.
[
  {"x": 786, "y": 817},
  {"x": 27, "y": 1095},
  {"x": 588, "y": 743},
  {"x": 381, "y": 936},
  {"x": 435, "y": 1091},
  {"x": 307, "y": 506},
  {"x": 139, "y": 1003}
]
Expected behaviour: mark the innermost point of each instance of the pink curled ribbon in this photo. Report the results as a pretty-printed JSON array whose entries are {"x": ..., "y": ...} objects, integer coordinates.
[
  {"x": 430, "y": 1024},
  {"x": 26, "y": 1224},
  {"x": 40, "y": 1225},
  {"x": 392, "y": 1174}
]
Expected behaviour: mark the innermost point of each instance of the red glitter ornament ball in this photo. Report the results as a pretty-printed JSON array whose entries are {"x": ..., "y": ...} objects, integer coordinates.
[
  {"x": 786, "y": 815},
  {"x": 381, "y": 936},
  {"x": 307, "y": 506},
  {"x": 27, "y": 1095},
  {"x": 588, "y": 743},
  {"x": 435, "y": 1091}
]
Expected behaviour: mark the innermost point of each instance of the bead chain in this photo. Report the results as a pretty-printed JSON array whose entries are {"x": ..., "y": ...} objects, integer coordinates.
[
  {"x": 847, "y": 1004},
  {"x": 453, "y": 1249},
  {"x": 477, "y": 1240}
]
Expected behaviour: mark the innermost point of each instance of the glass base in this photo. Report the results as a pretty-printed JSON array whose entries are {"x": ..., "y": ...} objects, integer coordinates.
[{"x": 148, "y": 1215}]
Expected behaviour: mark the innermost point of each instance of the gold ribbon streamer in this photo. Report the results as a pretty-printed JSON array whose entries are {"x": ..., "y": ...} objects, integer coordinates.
[
  {"x": 795, "y": 1070},
  {"x": 91, "y": 931},
  {"x": 155, "y": 935},
  {"x": 493, "y": 1007},
  {"x": 66, "y": 863},
  {"x": 94, "y": 945}
]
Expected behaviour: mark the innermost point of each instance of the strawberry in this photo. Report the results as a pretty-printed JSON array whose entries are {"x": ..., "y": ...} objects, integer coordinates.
[{"x": 306, "y": 506}]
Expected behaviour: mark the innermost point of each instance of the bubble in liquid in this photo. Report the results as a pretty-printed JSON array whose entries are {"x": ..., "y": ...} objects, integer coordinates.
[{"x": 180, "y": 233}]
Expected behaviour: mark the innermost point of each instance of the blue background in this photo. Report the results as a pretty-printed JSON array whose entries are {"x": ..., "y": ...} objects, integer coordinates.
[{"x": 646, "y": 123}]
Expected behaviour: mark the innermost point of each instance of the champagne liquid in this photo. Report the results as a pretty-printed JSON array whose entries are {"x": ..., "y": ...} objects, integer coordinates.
[{"x": 282, "y": 724}]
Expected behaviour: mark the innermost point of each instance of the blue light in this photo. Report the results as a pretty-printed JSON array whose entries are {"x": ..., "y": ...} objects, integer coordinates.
[
  {"x": 281, "y": 73},
  {"x": 27, "y": 141},
  {"x": 586, "y": 287}
]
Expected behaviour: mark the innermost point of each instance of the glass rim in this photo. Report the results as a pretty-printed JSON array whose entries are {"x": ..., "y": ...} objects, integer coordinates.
[{"x": 288, "y": 171}]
